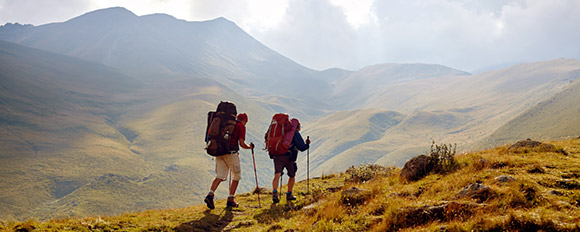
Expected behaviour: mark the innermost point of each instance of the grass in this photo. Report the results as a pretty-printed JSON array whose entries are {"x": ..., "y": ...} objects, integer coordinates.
[{"x": 544, "y": 195}]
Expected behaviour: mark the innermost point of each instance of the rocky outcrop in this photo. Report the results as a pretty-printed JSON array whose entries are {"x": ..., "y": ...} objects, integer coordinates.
[
  {"x": 477, "y": 191},
  {"x": 417, "y": 168}
]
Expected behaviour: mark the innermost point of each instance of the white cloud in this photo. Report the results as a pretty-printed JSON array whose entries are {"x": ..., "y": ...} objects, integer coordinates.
[
  {"x": 257, "y": 15},
  {"x": 357, "y": 12},
  {"x": 350, "y": 34}
]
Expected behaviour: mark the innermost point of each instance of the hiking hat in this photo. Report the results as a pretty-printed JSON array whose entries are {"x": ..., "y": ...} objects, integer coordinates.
[{"x": 243, "y": 117}]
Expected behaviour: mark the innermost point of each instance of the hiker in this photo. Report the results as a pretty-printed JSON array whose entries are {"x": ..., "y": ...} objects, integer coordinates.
[
  {"x": 230, "y": 162},
  {"x": 288, "y": 161}
]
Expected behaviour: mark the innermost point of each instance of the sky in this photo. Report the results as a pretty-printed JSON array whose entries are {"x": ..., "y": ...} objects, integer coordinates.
[{"x": 470, "y": 35}]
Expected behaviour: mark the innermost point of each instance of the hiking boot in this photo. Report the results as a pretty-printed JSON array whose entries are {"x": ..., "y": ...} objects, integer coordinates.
[
  {"x": 275, "y": 198},
  {"x": 290, "y": 197},
  {"x": 209, "y": 201},
  {"x": 232, "y": 203}
]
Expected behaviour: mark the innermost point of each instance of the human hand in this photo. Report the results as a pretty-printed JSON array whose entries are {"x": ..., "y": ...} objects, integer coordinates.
[
  {"x": 252, "y": 146},
  {"x": 308, "y": 141}
]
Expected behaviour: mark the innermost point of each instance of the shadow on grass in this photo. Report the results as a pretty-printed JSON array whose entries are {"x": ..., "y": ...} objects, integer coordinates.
[
  {"x": 210, "y": 222},
  {"x": 276, "y": 212}
]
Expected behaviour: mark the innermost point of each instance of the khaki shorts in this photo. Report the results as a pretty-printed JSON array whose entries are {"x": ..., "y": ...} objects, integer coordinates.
[{"x": 225, "y": 163}]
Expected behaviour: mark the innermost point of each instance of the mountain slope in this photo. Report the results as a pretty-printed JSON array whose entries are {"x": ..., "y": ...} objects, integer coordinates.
[
  {"x": 358, "y": 89},
  {"x": 54, "y": 120},
  {"x": 448, "y": 109},
  {"x": 158, "y": 44},
  {"x": 555, "y": 118},
  {"x": 492, "y": 190},
  {"x": 76, "y": 133}
]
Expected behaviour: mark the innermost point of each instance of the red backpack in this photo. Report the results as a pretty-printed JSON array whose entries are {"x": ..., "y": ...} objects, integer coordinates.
[{"x": 276, "y": 133}]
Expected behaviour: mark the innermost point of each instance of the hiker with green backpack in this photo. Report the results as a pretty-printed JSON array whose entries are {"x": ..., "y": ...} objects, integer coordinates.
[
  {"x": 225, "y": 134},
  {"x": 283, "y": 141}
]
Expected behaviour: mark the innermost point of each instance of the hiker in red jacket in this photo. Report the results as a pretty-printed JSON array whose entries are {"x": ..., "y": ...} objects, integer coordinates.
[
  {"x": 288, "y": 161},
  {"x": 230, "y": 162}
]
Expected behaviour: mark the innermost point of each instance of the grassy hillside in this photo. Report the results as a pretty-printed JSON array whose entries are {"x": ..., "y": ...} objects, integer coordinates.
[
  {"x": 348, "y": 138},
  {"x": 557, "y": 117},
  {"x": 80, "y": 138},
  {"x": 54, "y": 120},
  {"x": 459, "y": 109},
  {"x": 525, "y": 189},
  {"x": 343, "y": 131}
]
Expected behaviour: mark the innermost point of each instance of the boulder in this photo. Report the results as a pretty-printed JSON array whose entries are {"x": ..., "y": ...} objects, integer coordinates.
[
  {"x": 477, "y": 191},
  {"x": 524, "y": 146},
  {"x": 417, "y": 168},
  {"x": 444, "y": 212},
  {"x": 504, "y": 179},
  {"x": 355, "y": 196},
  {"x": 555, "y": 192}
]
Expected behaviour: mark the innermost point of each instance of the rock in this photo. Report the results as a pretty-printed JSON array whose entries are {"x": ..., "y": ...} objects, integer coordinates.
[
  {"x": 417, "y": 168},
  {"x": 352, "y": 191},
  {"x": 504, "y": 179},
  {"x": 556, "y": 192},
  {"x": 524, "y": 145},
  {"x": 568, "y": 184},
  {"x": 446, "y": 211},
  {"x": 537, "y": 169},
  {"x": 477, "y": 191},
  {"x": 355, "y": 196},
  {"x": 312, "y": 208},
  {"x": 261, "y": 190},
  {"x": 529, "y": 143},
  {"x": 395, "y": 195}
]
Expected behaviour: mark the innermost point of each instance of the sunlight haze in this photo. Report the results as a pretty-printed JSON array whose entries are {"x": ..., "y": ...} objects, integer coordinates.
[{"x": 469, "y": 35}]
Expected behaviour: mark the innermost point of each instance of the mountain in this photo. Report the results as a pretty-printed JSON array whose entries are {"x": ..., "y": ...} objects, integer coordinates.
[
  {"x": 56, "y": 122},
  {"x": 355, "y": 90},
  {"x": 459, "y": 108},
  {"x": 159, "y": 44},
  {"x": 81, "y": 138},
  {"x": 555, "y": 118}
]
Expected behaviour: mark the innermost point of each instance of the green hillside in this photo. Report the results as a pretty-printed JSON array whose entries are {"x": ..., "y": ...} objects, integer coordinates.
[
  {"x": 524, "y": 189},
  {"x": 555, "y": 118},
  {"x": 459, "y": 109}
]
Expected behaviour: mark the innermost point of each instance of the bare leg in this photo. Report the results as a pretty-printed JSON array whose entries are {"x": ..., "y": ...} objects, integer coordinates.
[
  {"x": 216, "y": 182},
  {"x": 291, "y": 183},
  {"x": 234, "y": 186},
  {"x": 276, "y": 181}
]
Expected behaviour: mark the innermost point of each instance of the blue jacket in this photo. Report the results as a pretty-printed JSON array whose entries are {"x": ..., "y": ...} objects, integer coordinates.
[{"x": 298, "y": 142}]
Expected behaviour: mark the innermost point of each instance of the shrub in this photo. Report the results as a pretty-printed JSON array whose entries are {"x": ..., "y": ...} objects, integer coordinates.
[
  {"x": 365, "y": 172},
  {"x": 443, "y": 157}
]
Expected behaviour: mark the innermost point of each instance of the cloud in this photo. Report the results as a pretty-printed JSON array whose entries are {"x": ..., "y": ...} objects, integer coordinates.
[
  {"x": 313, "y": 33},
  {"x": 467, "y": 35},
  {"x": 351, "y": 34},
  {"x": 257, "y": 15}
]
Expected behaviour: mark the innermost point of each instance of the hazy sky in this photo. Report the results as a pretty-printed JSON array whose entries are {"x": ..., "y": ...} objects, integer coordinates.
[{"x": 350, "y": 34}]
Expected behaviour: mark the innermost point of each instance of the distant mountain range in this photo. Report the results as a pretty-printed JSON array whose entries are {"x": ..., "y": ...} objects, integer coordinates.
[{"x": 105, "y": 113}]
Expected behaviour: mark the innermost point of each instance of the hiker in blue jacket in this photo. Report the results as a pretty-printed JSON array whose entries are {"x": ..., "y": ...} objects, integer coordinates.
[{"x": 288, "y": 161}]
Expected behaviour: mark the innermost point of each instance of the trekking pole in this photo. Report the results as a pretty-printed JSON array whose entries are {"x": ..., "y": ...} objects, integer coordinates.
[
  {"x": 256, "y": 175},
  {"x": 308, "y": 167},
  {"x": 281, "y": 181}
]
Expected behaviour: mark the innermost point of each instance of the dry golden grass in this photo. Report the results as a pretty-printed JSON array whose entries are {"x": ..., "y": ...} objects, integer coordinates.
[{"x": 543, "y": 195}]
